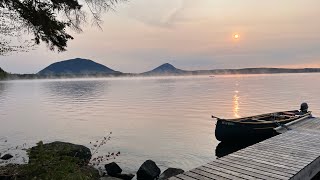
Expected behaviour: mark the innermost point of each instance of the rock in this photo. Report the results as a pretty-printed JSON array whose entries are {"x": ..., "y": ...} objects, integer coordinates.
[
  {"x": 124, "y": 176},
  {"x": 148, "y": 171},
  {"x": 170, "y": 172},
  {"x": 61, "y": 149},
  {"x": 113, "y": 169},
  {"x": 6, "y": 157}
]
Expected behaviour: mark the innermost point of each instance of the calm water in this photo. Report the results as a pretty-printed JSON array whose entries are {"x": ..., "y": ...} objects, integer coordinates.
[{"x": 166, "y": 119}]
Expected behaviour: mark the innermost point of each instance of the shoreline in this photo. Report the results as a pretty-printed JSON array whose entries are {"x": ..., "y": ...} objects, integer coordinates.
[
  {"x": 12, "y": 77},
  {"x": 58, "y": 160}
]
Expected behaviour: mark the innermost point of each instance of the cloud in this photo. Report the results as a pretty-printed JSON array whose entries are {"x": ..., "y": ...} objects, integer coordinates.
[{"x": 164, "y": 13}]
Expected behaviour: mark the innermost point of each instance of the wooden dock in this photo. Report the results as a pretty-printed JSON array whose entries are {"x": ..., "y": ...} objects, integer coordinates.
[{"x": 295, "y": 154}]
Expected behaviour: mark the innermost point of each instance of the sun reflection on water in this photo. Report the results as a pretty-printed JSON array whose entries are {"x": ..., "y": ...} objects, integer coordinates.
[{"x": 236, "y": 108}]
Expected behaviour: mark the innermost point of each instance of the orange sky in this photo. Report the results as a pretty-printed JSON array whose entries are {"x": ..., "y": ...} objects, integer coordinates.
[{"x": 193, "y": 34}]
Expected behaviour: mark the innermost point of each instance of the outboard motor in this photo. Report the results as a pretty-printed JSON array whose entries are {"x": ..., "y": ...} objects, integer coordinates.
[{"x": 304, "y": 108}]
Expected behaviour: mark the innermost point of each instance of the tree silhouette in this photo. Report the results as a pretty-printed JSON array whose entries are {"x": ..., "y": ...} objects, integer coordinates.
[
  {"x": 46, "y": 21},
  {"x": 3, "y": 75}
]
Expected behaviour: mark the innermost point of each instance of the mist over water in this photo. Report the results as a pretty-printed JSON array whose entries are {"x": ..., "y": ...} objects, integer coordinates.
[{"x": 166, "y": 119}]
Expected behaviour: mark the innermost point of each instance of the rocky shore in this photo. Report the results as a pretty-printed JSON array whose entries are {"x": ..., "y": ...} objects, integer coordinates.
[
  {"x": 148, "y": 170},
  {"x": 61, "y": 160}
]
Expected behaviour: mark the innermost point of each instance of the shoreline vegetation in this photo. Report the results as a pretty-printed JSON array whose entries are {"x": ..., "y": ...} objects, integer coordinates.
[
  {"x": 84, "y": 68},
  {"x": 62, "y": 160},
  {"x": 3, "y": 74}
]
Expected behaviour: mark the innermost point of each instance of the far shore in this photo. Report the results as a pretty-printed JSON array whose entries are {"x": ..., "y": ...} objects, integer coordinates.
[{"x": 211, "y": 73}]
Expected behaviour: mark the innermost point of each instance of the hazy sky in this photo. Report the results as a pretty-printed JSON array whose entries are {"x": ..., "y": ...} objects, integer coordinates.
[{"x": 192, "y": 34}]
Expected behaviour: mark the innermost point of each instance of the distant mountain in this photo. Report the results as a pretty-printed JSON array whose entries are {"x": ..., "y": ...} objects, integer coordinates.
[
  {"x": 77, "y": 66},
  {"x": 168, "y": 69},
  {"x": 165, "y": 69}
]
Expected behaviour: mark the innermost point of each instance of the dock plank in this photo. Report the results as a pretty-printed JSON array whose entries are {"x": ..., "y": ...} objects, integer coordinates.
[
  {"x": 229, "y": 173},
  {"x": 251, "y": 171},
  {"x": 287, "y": 151},
  {"x": 268, "y": 161},
  {"x": 276, "y": 159},
  {"x": 301, "y": 158},
  {"x": 247, "y": 174},
  {"x": 294, "y": 138},
  {"x": 269, "y": 166},
  {"x": 283, "y": 155},
  {"x": 254, "y": 166},
  {"x": 194, "y": 174},
  {"x": 291, "y": 148},
  {"x": 186, "y": 177},
  {"x": 295, "y": 146},
  {"x": 208, "y": 173}
]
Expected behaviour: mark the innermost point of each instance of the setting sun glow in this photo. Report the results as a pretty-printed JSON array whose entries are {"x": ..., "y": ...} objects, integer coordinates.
[{"x": 236, "y": 36}]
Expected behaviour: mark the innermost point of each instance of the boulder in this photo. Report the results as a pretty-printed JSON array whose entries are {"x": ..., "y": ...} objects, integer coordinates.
[
  {"x": 148, "y": 171},
  {"x": 6, "y": 157},
  {"x": 113, "y": 169},
  {"x": 125, "y": 176},
  {"x": 61, "y": 149},
  {"x": 170, "y": 172}
]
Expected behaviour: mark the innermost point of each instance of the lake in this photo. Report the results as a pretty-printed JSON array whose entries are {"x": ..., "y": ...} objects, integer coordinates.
[{"x": 166, "y": 119}]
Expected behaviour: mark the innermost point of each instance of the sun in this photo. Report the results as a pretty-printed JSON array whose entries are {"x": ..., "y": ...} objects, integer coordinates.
[{"x": 236, "y": 36}]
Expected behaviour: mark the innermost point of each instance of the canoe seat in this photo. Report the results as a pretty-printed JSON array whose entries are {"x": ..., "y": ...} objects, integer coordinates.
[{"x": 259, "y": 120}]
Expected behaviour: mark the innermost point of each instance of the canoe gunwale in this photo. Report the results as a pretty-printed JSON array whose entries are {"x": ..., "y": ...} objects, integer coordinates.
[{"x": 238, "y": 120}]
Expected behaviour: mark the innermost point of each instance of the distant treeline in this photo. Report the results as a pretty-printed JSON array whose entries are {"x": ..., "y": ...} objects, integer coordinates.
[
  {"x": 256, "y": 71},
  {"x": 8, "y": 76},
  {"x": 62, "y": 76},
  {"x": 3, "y": 74},
  {"x": 179, "y": 72}
]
